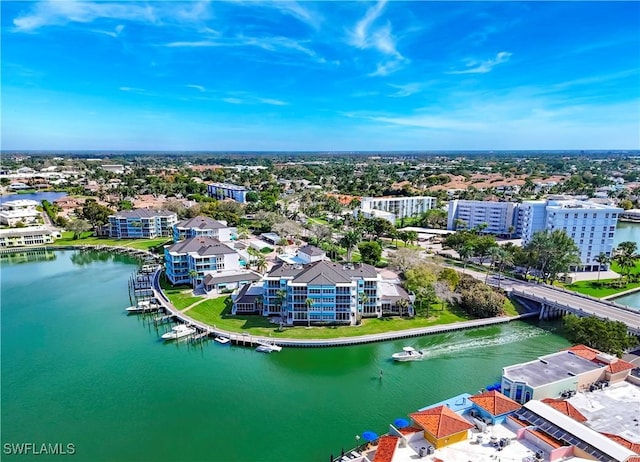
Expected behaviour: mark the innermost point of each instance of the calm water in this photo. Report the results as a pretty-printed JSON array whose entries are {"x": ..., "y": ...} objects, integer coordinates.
[
  {"x": 39, "y": 196},
  {"x": 627, "y": 231},
  {"x": 77, "y": 369}
]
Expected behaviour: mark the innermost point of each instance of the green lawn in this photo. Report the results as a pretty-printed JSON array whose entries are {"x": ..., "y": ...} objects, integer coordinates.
[
  {"x": 591, "y": 288},
  {"x": 87, "y": 238},
  {"x": 215, "y": 312},
  {"x": 635, "y": 270},
  {"x": 317, "y": 221},
  {"x": 180, "y": 296}
]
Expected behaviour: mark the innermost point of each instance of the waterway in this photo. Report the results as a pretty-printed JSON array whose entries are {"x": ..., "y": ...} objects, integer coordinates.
[
  {"x": 38, "y": 196},
  {"x": 626, "y": 231},
  {"x": 76, "y": 369}
]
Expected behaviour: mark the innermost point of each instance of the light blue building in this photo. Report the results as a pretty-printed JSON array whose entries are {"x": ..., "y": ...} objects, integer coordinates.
[
  {"x": 142, "y": 224},
  {"x": 227, "y": 191},
  {"x": 202, "y": 226}
]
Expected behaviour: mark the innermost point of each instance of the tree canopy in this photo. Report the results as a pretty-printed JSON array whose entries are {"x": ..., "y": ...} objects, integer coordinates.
[{"x": 602, "y": 334}]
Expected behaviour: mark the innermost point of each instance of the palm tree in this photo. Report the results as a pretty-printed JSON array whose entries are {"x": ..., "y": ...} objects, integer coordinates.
[
  {"x": 403, "y": 305},
  {"x": 465, "y": 253},
  {"x": 261, "y": 264},
  {"x": 362, "y": 299},
  {"x": 626, "y": 257},
  {"x": 349, "y": 241},
  {"x": 602, "y": 259},
  {"x": 193, "y": 275},
  {"x": 309, "y": 303}
]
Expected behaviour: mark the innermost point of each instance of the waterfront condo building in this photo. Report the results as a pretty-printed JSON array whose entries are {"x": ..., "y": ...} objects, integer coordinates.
[
  {"x": 202, "y": 226},
  {"x": 22, "y": 237},
  {"x": 590, "y": 225},
  {"x": 190, "y": 261},
  {"x": 227, "y": 191},
  {"x": 395, "y": 208},
  {"x": 19, "y": 211},
  {"x": 141, "y": 224},
  {"x": 500, "y": 218},
  {"x": 322, "y": 292}
]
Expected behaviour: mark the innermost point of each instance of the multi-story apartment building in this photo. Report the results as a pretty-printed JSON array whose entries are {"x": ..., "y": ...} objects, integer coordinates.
[
  {"x": 227, "y": 191},
  {"x": 590, "y": 225},
  {"x": 500, "y": 218},
  {"x": 202, "y": 226},
  {"x": 21, "y": 237},
  {"x": 321, "y": 292},
  {"x": 191, "y": 260},
  {"x": 19, "y": 211},
  {"x": 142, "y": 223},
  {"x": 395, "y": 208}
]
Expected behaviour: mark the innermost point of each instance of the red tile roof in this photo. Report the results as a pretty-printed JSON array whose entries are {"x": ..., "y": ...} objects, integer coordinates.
[
  {"x": 440, "y": 421},
  {"x": 635, "y": 447},
  {"x": 387, "y": 445},
  {"x": 591, "y": 354},
  {"x": 409, "y": 430},
  {"x": 495, "y": 402},
  {"x": 566, "y": 408}
]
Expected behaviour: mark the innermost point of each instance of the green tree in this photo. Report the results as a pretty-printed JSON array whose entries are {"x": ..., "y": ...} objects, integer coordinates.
[
  {"x": 193, "y": 275},
  {"x": 309, "y": 304},
  {"x": 78, "y": 226},
  {"x": 95, "y": 213},
  {"x": 552, "y": 253},
  {"x": 602, "y": 259},
  {"x": 626, "y": 257},
  {"x": 370, "y": 252},
  {"x": 602, "y": 334},
  {"x": 349, "y": 240}
]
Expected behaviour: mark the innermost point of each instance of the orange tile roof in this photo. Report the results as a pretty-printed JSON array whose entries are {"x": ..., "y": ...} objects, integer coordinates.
[
  {"x": 387, "y": 445},
  {"x": 546, "y": 438},
  {"x": 408, "y": 430},
  {"x": 566, "y": 408},
  {"x": 635, "y": 447},
  {"x": 440, "y": 421},
  {"x": 495, "y": 402},
  {"x": 591, "y": 354}
]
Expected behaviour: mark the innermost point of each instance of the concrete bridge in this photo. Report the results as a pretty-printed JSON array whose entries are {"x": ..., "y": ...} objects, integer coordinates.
[{"x": 556, "y": 302}]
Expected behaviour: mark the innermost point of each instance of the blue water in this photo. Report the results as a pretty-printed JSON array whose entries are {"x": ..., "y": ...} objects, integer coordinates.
[{"x": 39, "y": 196}]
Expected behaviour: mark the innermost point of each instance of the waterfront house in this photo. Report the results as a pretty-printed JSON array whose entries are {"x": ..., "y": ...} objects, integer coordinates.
[
  {"x": 19, "y": 211},
  {"x": 492, "y": 407},
  {"x": 21, "y": 237},
  {"x": 202, "y": 226},
  {"x": 311, "y": 254},
  {"x": 142, "y": 223},
  {"x": 441, "y": 426},
  {"x": 322, "y": 292},
  {"x": 191, "y": 260}
]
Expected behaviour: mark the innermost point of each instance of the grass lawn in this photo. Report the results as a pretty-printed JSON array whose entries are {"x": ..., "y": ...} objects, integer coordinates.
[
  {"x": 590, "y": 288},
  {"x": 615, "y": 267},
  {"x": 87, "y": 238},
  {"x": 317, "y": 221},
  {"x": 180, "y": 296},
  {"x": 216, "y": 312}
]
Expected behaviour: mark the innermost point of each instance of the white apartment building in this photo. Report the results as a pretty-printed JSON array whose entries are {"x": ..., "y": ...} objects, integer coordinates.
[
  {"x": 19, "y": 211},
  {"x": 22, "y": 237},
  {"x": 395, "y": 208},
  {"x": 590, "y": 225},
  {"x": 501, "y": 218}
]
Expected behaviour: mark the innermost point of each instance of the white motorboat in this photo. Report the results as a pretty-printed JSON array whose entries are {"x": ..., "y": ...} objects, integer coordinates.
[
  {"x": 179, "y": 331},
  {"x": 408, "y": 354},
  {"x": 143, "y": 306},
  {"x": 268, "y": 347},
  {"x": 223, "y": 340}
]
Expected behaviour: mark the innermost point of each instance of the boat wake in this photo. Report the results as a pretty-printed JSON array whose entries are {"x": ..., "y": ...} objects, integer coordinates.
[{"x": 451, "y": 346}]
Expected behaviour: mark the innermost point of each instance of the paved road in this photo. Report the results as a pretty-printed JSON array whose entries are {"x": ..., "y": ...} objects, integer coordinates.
[{"x": 593, "y": 306}]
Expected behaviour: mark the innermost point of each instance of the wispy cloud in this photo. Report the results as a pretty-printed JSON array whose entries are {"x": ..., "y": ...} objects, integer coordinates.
[
  {"x": 474, "y": 67},
  {"x": 140, "y": 91},
  {"x": 405, "y": 90},
  {"x": 197, "y": 87},
  {"x": 60, "y": 13},
  {"x": 194, "y": 44},
  {"x": 289, "y": 8},
  {"x": 114, "y": 33},
  {"x": 246, "y": 98}
]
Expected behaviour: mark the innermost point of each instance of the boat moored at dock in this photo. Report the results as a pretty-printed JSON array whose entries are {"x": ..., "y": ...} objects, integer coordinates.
[
  {"x": 222, "y": 340},
  {"x": 179, "y": 331},
  {"x": 143, "y": 306},
  {"x": 268, "y": 347}
]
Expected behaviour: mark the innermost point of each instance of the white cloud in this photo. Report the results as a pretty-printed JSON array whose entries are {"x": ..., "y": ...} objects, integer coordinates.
[
  {"x": 272, "y": 102},
  {"x": 405, "y": 90},
  {"x": 196, "y": 87},
  {"x": 473, "y": 67},
  {"x": 241, "y": 97}
]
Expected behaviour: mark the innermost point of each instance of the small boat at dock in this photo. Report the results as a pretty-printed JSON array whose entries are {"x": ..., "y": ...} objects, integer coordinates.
[
  {"x": 179, "y": 331},
  {"x": 223, "y": 340},
  {"x": 408, "y": 354},
  {"x": 143, "y": 306},
  {"x": 268, "y": 347}
]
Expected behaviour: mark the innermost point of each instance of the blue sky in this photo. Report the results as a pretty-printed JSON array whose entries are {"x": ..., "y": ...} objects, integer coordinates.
[{"x": 252, "y": 75}]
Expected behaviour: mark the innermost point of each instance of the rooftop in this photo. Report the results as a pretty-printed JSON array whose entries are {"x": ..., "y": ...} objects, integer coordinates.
[
  {"x": 201, "y": 245},
  {"x": 312, "y": 251},
  {"x": 201, "y": 222},
  {"x": 324, "y": 272},
  {"x": 495, "y": 402},
  {"x": 441, "y": 421},
  {"x": 228, "y": 186},
  {"x": 143, "y": 213},
  {"x": 550, "y": 368}
]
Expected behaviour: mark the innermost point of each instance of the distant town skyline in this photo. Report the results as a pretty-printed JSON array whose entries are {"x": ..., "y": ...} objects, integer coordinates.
[{"x": 320, "y": 76}]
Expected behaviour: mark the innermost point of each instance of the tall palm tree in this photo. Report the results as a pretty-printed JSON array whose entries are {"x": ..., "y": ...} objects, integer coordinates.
[
  {"x": 626, "y": 257},
  {"x": 362, "y": 299},
  {"x": 603, "y": 260},
  {"x": 193, "y": 275},
  {"x": 309, "y": 303},
  {"x": 281, "y": 296},
  {"x": 403, "y": 305},
  {"x": 261, "y": 264},
  {"x": 349, "y": 240}
]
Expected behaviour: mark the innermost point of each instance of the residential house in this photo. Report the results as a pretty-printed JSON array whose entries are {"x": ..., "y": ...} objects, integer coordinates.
[
  {"x": 142, "y": 223},
  {"x": 202, "y": 226},
  {"x": 442, "y": 427}
]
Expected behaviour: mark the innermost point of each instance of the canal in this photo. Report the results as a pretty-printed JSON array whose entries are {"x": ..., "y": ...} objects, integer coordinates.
[{"x": 76, "y": 369}]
